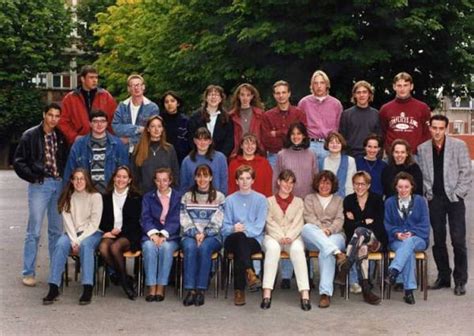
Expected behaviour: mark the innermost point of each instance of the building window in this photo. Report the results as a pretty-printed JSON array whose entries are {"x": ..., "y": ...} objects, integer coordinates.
[
  {"x": 57, "y": 81},
  {"x": 458, "y": 127}
]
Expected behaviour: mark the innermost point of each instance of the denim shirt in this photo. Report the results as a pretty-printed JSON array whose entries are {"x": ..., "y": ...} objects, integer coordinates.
[
  {"x": 122, "y": 122},
  {"x": 80, "y": 156}
]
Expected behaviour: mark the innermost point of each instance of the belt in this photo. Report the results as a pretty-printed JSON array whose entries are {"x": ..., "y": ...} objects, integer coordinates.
[{"x": 317, "y": 139}]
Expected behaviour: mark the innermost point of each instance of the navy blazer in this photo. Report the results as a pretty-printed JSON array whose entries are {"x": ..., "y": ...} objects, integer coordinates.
[{"x": 151, "y": 213}]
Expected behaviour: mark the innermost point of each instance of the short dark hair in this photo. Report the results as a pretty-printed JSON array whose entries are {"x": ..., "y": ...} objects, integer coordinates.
[
  {"x": 163, "y": 170},
  {"x": 86, "y": 69},
  {"x": 300, "y": 127},
  {"x": 440, "y": 117},
  {"x": 325, "y": 175},
  {"x": 98, "y": 114},
  {"x": 51, "y": 106},
  {"x": 286, "y": 175},
  {"x": 375, "y": 137},
  {"x": 404, "y": 176},
  {"x": 339, "y": 137}
]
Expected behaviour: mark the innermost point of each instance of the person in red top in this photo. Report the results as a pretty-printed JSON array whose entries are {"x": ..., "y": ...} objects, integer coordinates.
[
  {"x": 78, "y": 104},
  {"x": 277, "y": 120},
  {"x": 246, "y": 113},
  {"x": 250, "y": 154},
  {"x": 404, "y": 117}
]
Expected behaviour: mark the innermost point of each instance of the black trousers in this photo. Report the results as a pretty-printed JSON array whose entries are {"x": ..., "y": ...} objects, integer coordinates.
[
  {"x": 242, "y": 248},
  {"x": 440, "y": 209}
]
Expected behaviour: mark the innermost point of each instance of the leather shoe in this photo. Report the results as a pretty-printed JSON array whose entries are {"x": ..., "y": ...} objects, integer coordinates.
[
  {"x": 324, "y": 301},
  {"x": 459, "y": 289},
  {"x": 340, "y": 258},
  {"x": 159, "y": 297},
  {"x": 266, "y": 303},
  {"x": 253, "y": 281},
  {"x": 189, "y": 299},
  {"x": 239, "y": 297},
  {"x": 150, "y": 298},
  {"x": 305, "y": 304},
  {"x": 199, "y": 300},
  {"x": 440, "y": 283},
  {"x": 409, "y": 298}
]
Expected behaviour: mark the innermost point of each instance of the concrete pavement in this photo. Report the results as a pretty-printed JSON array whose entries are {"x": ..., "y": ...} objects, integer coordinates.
[{"x": 22, "y": 312}]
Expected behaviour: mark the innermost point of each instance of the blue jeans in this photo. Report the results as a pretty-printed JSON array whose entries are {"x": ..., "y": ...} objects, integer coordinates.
[
  {"x": 41, "y": 198},
  {"x": 87, "y": 250},
  {"x": 316, "y": 240},
  {"x": 158, "y": 261},
  {"x": 404, "y": 261},
  {"x": 319, "y": 152},
  {"x": 197, "y": 261}
]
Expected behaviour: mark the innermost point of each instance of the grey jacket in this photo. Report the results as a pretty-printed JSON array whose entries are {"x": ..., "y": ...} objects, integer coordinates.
[{"x": 456, "y": 168}]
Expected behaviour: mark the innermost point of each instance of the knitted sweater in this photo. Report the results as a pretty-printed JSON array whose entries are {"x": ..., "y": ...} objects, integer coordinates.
[
  {"x": 331, "y": 217},
  {"x": 263, "y": 174},
  {"x": 84, "y": 216},
  {"x": 201, "y": 216},
  {"x": 375, "y": 169},
  {"x": 284, "y": 224}
]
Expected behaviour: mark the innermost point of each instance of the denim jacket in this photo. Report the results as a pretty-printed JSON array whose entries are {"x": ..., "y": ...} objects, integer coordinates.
[
  {"x": 122, "y": 122},
  {"x": 81, "y": 156}
]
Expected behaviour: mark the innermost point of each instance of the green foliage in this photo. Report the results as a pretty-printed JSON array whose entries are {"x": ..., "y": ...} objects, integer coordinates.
[
  {"x": 33, "y": 35},
  {"x": 186, "y": 45}
]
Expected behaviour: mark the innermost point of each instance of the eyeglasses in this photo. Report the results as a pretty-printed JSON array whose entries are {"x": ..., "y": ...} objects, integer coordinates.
[
  {"x": 362, "y": 184},
  {"x": 136, "y": 85}
]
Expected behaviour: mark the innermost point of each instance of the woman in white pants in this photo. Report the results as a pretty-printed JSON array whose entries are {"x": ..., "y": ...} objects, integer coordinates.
[{"x": 283, "y": 228}]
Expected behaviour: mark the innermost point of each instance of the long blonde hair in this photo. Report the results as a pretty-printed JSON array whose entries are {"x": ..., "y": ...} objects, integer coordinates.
[{"x": 141, "y": 150}]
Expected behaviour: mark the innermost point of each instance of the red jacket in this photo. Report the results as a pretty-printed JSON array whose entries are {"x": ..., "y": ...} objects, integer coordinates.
[
  {"x": 255, "y": 127},
  {"x": 263, "y": 174},
  {"x": 278, "y": 121},
  {"x": 75, "y": 117}
]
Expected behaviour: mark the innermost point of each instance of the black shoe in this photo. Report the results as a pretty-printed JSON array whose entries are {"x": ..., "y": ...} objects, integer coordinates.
[
  {"x": 285, "y": 284},
  {"x": 398, "y": 287},
  {"x": 266, "y": 303},
  {"x": 52, "y": 295},
  {"x": 409, "y": 298},
  {"x": 305, "y": 304},
  {"x": 189, "y": 299},
  {"x": 86, "y": 296},
  {"x": 440, "y": 283},
  {"x": 199, "y": 300},
  {"x": 129, "y": 291},
  {"x": 392, "y": 276},
  {"x": 159, "y": 298},
  {"x": 115, "y": 279},
  {"x": 460, "y": 289},
  {"x": 150, "y": 298}
]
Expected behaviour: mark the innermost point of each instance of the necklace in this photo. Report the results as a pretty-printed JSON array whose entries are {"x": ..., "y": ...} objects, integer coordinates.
[{"x": 155, "y": 150}]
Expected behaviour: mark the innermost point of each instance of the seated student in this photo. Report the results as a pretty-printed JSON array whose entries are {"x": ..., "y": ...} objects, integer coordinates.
[
  {"x": 283, "y": 229},
  {"x": 365, "y": 233},
  {"x": 153, "y": 151},
  {"x": 81, "y": 208},
  {"x": 371, "y": 163},
  {"x": 400, "y": 159},
  {"x": 120, "y": 224},
  {"x": 201, "y": 216},
  {"x": 160, "y": 225},
  {"x": 244, "y": 221},
  {"x": 203, "y": 153},
  {"x": 323, "y": 231},
  {"x": 249, "y": 154},
  {"x": 407, "y": 223},
  {"x": 342, "y": 165}
]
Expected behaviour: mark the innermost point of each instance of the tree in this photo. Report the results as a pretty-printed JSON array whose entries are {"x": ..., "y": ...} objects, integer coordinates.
[
  {"x": 185, "y": 45},
  {"x": 33, "y": 35}
]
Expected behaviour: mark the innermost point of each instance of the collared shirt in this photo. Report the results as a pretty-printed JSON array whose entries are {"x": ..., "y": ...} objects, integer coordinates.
[
  {"x": 165, "y": 203},
  {"x": 212, "y": 121},
  {"x": 50, "y": 149},
  {"x": 323, "y": 116}
]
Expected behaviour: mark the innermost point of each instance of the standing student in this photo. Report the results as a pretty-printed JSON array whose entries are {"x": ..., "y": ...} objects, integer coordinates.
[
  {"x": 371, "y": 163},
  {"x": 40, "y": 159},
  {"x": 81, "y": 208},
  {"x": 446, "y": 168},
  {"x": 132, "y": 114},
  {"x": 244, "y": 222},
  {"x": 153, "y": 152}
]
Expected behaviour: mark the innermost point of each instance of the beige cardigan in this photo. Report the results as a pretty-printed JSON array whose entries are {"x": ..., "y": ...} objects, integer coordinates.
[
  {"x": 331, "y": 218},
  {"x": 284, "y": 225}
]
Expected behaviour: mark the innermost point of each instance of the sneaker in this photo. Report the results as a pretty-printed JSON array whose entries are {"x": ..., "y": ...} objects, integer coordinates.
[
  {"x": 29, "y": 281},
  {"x": 355, "y": 288}
]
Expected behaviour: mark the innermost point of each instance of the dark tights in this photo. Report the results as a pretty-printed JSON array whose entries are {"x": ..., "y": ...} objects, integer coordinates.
[{"x": 111, "y": 250}]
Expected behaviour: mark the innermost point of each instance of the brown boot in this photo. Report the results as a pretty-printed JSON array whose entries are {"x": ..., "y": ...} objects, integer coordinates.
[
  {"x": 369, "y": 297},
  {"x": 253, "y": 282},
  {"x": 340, "y": 258},
  {"x": 239, "y": 297}
]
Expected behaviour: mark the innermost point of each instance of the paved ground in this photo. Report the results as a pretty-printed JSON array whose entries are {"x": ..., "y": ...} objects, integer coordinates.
[{"x": 23, "y": 314}]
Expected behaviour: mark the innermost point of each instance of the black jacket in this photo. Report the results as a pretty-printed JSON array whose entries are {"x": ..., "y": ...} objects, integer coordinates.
[
  {"x": 222, "y": 137},
  {"x": 131, "y": 213},
  {"x": 30, "y": 154}
]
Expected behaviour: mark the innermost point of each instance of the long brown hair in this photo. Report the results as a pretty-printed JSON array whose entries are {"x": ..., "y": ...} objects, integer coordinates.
[
  {"x": 202, "y": 133},
  {"x": 64, "y": 203},
  {"x": 204, "y": 114},
  {"x": 143, "y": 146},
  {"x": 409, "y": 160},
  {"x": 132, "y": 188},
  {"x": 255, "y": 102},
  {"x": 204, "y": 170}
]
